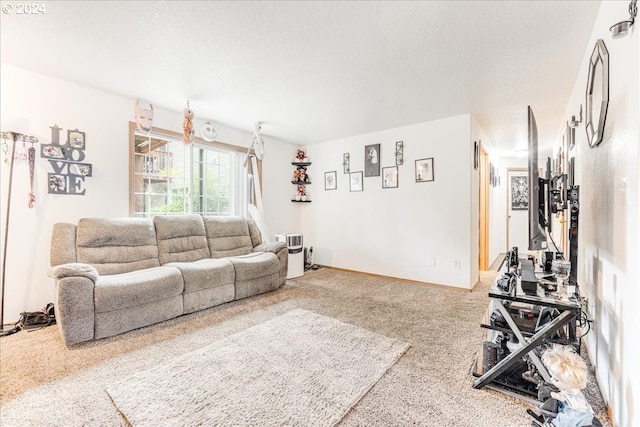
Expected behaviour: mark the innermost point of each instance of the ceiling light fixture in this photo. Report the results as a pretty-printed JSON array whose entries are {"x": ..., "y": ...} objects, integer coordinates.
[{"x": 622, "y": 28}]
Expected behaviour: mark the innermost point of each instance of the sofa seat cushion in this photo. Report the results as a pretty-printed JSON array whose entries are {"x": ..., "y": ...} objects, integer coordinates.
[
  {"x": 256, "y": 273},
  {"x": 136, "y": 288},
  {"x": 205, "y": 273},
  {"x": 254, "y": 265}
]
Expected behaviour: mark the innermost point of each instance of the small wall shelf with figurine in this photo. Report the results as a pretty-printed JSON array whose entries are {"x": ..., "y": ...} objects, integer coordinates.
[{"x": 301, "y": 178}]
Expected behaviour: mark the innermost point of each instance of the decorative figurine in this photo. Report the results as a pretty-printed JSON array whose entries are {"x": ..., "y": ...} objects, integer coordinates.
[
  {"x": 144, "y": 116},
  {"x": 301, "y": 156},
  {"x": 302, "y": 193},
  {"x": 187, "y": 125}
]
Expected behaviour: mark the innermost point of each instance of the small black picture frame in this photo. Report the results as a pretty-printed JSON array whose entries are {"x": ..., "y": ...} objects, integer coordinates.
[
  {"x": 356, "y": 181},
  {"x": 424, "y": 170},
  {"x": 390, "y": 177},
  {"x": 330, "y": 180}
]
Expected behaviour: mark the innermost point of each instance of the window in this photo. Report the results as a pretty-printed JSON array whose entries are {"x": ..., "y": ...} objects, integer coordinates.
[{"x": 168, "y": 177}]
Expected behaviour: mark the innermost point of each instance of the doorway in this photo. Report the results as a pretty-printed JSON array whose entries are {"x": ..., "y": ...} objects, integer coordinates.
[
  {"x": 484, "y": 210},
  {"x": 518, "y": 209}
]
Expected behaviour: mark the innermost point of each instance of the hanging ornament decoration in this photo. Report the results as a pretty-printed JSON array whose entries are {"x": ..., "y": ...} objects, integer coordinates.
[
  {"x": 144, "y": 116},
  {"x": 208, "y": 132},
  {"x": 5, "y": 147},
  {"x": 187, "y": 125}
]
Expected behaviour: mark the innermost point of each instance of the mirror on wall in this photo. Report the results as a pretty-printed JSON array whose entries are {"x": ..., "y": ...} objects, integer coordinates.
[{"x": 597, "y": 93}]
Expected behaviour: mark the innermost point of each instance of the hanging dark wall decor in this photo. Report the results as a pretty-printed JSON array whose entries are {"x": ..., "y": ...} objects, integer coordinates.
[
  {"x": 399, "y": 152},
  {"x": 67, "y": 162},
  {"x": 519, "y": 193}
]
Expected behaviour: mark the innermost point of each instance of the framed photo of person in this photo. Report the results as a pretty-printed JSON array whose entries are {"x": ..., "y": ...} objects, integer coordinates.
[{"x": 372, "y": 160}]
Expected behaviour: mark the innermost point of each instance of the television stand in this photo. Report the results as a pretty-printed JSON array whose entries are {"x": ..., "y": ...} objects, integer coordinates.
[{"x": 520, "y": 311}]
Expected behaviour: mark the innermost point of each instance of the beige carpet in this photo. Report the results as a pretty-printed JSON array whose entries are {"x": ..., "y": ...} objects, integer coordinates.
[
  {"x": 300, "y": 368},
  {"x": 43, "y": 383}
]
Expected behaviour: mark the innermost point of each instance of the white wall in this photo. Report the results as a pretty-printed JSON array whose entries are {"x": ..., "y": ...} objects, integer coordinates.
[
  {"x": 609, "y": 223},
  {"x": 400, "y": 231},
  {"x": 31, "y": 103}
]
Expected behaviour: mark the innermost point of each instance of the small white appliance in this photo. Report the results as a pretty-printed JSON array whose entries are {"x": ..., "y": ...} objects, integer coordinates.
[{"x": 296, "y": 255}]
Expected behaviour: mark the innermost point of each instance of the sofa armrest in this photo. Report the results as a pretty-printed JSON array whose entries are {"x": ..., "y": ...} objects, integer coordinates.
[
  {"x": 274, "y": 247},
  {"x": 74, "y": 269},
  {"x": 74, "y": 301},
  {"x": 281, "y": 250}
]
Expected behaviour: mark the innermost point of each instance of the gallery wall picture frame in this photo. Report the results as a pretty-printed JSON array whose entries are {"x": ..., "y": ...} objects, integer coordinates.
[
  {"x": 569, "y": 138},
  {"x": 355, "y": 181},
  {"x": 346, "y": 163},
  {"x": 519, "y": 193},
  {"x": 399, "y": 152},
  {"x": 390, "y": 177},
  {"x": 476, "y": 154},
  {"x": 372, "y": 160},
  {"x": 491, "y": 172},
  {"x": 76, "y": 139},
  {"x": 330, "y": 180},
  {"x": 424, "y": 170}
]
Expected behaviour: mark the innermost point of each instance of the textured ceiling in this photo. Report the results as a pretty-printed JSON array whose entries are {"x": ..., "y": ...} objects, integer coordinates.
[{"x": 316, "y": 71}]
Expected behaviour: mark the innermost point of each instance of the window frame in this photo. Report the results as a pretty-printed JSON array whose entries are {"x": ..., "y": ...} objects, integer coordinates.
[{"x": 178, "y": 136}]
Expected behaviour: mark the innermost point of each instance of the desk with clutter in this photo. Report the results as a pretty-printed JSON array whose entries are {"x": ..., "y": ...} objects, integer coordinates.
[{"x": 532, "y": 342}]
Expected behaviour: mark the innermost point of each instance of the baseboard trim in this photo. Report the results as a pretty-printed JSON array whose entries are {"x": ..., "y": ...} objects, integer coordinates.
[{"x": 418, "y": 282}]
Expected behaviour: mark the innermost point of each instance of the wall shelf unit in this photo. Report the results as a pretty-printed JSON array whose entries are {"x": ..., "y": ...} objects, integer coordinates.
[{"x": 301, "y": 169}]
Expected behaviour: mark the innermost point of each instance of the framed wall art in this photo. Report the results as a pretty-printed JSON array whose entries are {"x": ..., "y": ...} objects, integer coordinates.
[
  {"x": 476, "y": 154},
  {"x": 372, "y": 160},
  {"x": 330, "y": 180},
  {"x": 346, "y": 162},
  {"x": 76, "y": 139},
  {"x": 424, "y": 170},
  {"x": 390, "y": 177},
  {"x": 519, "y": 193},
  {"x": 355, "y": 181},
  {"x": 399, "y": 152}
]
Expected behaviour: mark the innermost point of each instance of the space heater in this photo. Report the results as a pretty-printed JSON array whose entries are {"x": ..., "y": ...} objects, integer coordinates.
[{"x": 296, "y": 255}]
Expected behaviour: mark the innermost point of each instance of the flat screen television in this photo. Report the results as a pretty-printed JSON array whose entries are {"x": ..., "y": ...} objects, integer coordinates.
[{"x": 537, "y": 222}]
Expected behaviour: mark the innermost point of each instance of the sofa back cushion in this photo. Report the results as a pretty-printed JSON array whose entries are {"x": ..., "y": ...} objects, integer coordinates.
[
  {"x": 116, "y": 246},
  {"x": 181, "y": 238},
  {"x": 63, "y": 244},
  {"x": 254, "y": 232},
  {"x": 228, "y": 236}
]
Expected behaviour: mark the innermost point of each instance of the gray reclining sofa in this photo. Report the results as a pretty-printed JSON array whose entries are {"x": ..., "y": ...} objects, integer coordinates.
[{"x": 115, "y": 275}]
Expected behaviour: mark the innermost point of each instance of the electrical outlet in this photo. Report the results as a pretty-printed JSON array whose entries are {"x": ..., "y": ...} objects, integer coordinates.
[
  {"x": 456, "y": 264},
  {"x": 431, "y": 261}
]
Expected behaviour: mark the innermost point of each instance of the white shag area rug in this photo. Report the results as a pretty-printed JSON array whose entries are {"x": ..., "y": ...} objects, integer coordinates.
[{"x": 300, "y": 368}]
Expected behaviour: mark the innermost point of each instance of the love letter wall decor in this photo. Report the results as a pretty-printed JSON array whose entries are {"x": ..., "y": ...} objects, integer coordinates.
[{"x": 67, "y": 162}]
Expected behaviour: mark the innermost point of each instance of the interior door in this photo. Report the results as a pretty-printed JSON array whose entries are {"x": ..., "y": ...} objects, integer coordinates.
[
  {"x": 484, "y": 210},
  {"x": 517, "y": 209}
]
